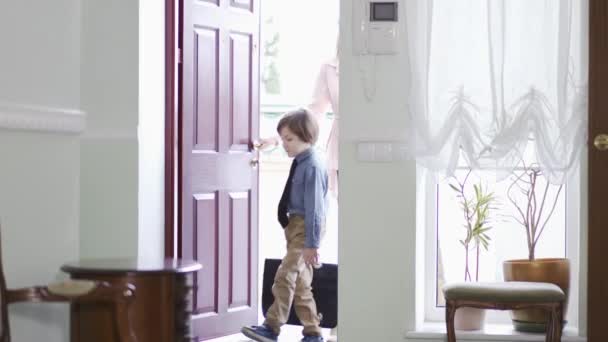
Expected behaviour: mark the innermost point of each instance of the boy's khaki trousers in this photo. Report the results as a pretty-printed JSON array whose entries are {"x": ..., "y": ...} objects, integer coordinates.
[{"x": 292, "y": 284}]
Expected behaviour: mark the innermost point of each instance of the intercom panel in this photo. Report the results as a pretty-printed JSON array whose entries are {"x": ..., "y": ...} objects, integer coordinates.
[{"x": 375, "y": 27}]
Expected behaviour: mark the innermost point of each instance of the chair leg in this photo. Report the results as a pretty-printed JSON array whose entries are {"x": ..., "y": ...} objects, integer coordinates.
[
  {"x": 558, "y": 323},
  {"x": 550, "y": 329},
  {"x": 554, "y": 325},
  {"x": 450, "y": 312},
  {"x": 123, "y": 324}
]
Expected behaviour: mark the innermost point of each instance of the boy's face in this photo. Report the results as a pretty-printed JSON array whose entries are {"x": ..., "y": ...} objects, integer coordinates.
[{"x": 292, "y": 144}]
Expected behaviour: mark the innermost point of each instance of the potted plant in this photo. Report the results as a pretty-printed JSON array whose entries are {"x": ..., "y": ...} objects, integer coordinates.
[
  {"x": 534, "y": 206},
  {"x": 476, "y": 212}
]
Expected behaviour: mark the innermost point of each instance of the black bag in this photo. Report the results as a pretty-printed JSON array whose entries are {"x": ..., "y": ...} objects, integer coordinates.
[{"x": 324, "y": 290}]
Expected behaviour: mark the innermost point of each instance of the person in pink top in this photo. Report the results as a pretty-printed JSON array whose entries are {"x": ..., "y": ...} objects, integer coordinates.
[{"x": 324, "y": 99}]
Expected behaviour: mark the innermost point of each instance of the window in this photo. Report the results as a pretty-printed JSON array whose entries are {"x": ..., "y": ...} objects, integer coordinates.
[
  {"x": 441, "y": 220},
  {"x": 490, "y": 79}
]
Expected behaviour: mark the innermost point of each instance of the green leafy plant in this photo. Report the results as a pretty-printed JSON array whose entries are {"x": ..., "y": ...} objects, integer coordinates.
[
  {"x": 531, "y": 201},
  {"x": 476, "y": 211}
]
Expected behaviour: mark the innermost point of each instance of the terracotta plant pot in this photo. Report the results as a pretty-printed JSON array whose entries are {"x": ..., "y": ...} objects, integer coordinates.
[
  {"x": 469, "y": 318},
  {"x": 556, "y": 271}
]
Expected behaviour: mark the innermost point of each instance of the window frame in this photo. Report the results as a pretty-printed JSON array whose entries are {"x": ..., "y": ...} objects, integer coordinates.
[{"x": 427, "y": 186}]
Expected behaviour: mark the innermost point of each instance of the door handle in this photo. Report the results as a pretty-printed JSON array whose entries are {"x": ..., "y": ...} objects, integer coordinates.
[
  {"x": 254, "y": 163},
  {"x": 601, "y": 142}
]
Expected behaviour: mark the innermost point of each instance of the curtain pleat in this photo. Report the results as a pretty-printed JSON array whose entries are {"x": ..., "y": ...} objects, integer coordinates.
[{"x": 491, "y": 80}]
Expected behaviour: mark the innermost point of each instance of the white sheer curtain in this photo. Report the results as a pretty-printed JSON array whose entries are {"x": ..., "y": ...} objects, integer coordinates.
[{"x": 489, "y": 77}]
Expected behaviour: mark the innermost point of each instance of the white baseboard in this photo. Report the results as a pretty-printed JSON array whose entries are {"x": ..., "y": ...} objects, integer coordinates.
[{"x": 40, "y": 118}]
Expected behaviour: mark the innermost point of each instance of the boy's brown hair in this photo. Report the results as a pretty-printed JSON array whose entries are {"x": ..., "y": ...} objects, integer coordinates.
[{"x": 301, "y": 123}]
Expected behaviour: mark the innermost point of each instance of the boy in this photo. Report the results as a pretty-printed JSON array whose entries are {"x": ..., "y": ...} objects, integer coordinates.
[{"x": 302, "y": 214}]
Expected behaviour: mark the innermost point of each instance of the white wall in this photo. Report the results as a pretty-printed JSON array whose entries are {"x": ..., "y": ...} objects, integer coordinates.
[
  {"x": 377, "y": 204},
  {"x": 59, "y": 191},
  {"x": 151, "y": 128},
  {"x": 122, "y": 167},
  {"x": 40, "y": 52},
  {"x": 39, "y": 169},
  {"x": 39, "y": 211},
  {"x": 109, "y": 150}
]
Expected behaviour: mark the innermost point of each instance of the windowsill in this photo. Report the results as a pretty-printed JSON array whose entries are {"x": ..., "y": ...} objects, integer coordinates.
[{"x": 491, "y": 332}]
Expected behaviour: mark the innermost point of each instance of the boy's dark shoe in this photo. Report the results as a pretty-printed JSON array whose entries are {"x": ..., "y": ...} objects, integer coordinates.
[
  {"x": 312, "y": 338},
  {"x": 261, "y": 333}
]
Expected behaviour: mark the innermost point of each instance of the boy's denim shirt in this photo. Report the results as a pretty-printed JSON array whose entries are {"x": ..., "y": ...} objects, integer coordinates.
[{"x": 308, "y": 195}]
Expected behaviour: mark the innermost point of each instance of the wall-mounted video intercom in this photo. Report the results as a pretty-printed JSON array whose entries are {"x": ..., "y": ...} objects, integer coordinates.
[{"x": 375, "y": 27}]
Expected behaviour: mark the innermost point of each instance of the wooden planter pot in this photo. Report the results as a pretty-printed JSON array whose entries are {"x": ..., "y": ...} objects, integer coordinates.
[{"x": 554, "y": 270}]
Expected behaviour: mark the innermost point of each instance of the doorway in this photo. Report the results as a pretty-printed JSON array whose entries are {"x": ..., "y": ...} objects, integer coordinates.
[
  {"x": 221, "y": 193},
  {"x": 290, "y": 60}
]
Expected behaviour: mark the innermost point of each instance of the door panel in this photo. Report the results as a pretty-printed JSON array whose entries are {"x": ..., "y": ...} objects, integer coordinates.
[
  {"x": 240, "y": 236},
  {"x": 207, "y": 86},
  {"x": 205, "y": 215},
  {"x": 244, "y": 4},
  {"x": 240, "y": 86},
  {"x": 220, "y": 115},
  {"x": 214, "y": 2}
]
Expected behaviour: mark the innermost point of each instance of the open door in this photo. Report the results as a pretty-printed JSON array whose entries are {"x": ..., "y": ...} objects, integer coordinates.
[{"x": 217, "y": 176}]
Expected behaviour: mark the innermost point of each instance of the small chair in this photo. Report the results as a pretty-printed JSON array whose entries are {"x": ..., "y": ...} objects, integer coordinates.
[
  {"x": 506, "y": 296},
  {"x": 73, "y": 291}
]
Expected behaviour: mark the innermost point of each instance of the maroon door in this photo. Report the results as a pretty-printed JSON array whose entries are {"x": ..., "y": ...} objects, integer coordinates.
[{"x": 219, "y": 204}]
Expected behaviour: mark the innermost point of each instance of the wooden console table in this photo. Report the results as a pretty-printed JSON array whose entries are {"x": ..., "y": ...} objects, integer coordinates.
[{"x": 162, "y": 307}]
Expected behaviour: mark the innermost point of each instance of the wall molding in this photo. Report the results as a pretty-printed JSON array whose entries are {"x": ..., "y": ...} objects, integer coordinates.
[{"x": 15, "y": 116}]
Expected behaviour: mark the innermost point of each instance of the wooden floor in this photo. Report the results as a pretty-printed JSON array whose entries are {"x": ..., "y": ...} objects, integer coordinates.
[{"x": 289, "y": 333}]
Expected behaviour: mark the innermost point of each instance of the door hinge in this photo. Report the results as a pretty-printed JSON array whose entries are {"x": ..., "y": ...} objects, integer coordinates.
[{"x": 180, "y": 56}]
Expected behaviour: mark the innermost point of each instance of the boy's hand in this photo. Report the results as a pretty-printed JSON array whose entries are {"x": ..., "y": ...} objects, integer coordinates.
[{"x": 311, "y": 257}]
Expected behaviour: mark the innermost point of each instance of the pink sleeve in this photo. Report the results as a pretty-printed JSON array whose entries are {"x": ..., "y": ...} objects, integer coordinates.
[{"x": 320, "y": 102}]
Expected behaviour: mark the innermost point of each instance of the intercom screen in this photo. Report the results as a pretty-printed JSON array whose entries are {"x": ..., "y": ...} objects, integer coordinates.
[{"x": 383, "y": 11}]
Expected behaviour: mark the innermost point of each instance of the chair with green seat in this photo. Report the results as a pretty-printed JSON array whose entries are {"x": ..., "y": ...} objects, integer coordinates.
[{"x": 506, "y": 296}]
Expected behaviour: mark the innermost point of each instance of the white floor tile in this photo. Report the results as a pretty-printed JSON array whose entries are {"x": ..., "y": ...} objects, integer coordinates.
[{"x": 289, "y": 333}]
